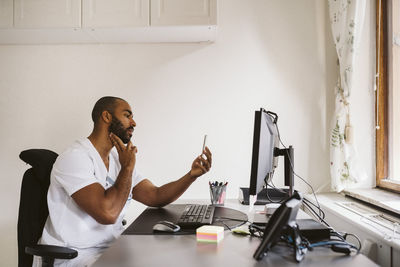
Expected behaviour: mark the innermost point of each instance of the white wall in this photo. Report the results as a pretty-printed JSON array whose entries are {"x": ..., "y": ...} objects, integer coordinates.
[{"x": 273, "y": 54}]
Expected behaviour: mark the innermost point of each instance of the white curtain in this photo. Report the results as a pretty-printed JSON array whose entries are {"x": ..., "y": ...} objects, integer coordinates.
[{"x": 347, "y": 18}]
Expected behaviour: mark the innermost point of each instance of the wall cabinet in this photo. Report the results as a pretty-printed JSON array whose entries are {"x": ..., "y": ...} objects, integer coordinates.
[
  {"x": 183, "y": 12},
  {"x": 105, "y": 21},
  {"x": 116, "y": 13},
  {"x": 6, "y": 13},
  {"x": 47, "y": 13}
]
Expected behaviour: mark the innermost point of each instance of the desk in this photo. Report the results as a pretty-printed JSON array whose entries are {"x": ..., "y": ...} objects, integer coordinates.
[{"x": 233, "y": 250}]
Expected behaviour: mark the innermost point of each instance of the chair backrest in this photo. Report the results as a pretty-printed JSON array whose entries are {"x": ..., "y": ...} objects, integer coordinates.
[{"x": 33, "y": 210}]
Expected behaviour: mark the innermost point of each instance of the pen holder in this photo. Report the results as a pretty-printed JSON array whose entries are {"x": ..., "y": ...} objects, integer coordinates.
[{"x": 218, "y": 193}]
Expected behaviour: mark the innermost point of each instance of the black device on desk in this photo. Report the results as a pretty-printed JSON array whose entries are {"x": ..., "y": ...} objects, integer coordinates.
[
  {"x": 265, "y": 160},
  {"x": 283, "y": 219},
  {"x": 195, "y": 215}
]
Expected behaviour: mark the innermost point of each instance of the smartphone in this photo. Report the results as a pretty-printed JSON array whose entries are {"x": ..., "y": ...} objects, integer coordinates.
[{"x": 204, "y": 143}]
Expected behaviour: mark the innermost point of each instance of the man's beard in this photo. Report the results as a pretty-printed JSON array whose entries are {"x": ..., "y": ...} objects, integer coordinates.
[{"x": 118, "y": 129}]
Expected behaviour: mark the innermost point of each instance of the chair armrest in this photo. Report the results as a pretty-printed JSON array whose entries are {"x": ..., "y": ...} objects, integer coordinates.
[{"x": 50, "y": 251}]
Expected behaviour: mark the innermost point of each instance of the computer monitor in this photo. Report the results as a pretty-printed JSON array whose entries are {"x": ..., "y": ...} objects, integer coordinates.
[
  {"x": 265, "y": 140},
  {"x": 265, "y": 160}
]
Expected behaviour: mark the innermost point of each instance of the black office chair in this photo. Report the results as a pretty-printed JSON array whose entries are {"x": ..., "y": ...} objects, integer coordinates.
[{"x": 33, "y": 210}]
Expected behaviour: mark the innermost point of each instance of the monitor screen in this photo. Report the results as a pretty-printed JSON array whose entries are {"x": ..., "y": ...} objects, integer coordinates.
[{"x": 265, "y": 139}]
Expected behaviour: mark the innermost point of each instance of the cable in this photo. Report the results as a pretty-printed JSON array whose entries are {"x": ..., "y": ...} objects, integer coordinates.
[
  {"x": 291, "y": 166},
  {"x": 277, "y": 189},
  {"x": 343, "y": 237},
  {"x": 273, "y": 187},
  {"x": 311, "y": 203},
  {"x": 232, "y": 219},
  {"x": 340, "y": 244},
  {"x": 255, "y": 230},
  {"x": 356, "y": 237},
  {"x": 334, "y": 233},
  {"x": 307, "y": 202},
  {"x": 331, "y": 243},
  {"x": 316, "y": 214},
  {"x": 226, "y": 225},
  {"x": 266, "y": 190}
]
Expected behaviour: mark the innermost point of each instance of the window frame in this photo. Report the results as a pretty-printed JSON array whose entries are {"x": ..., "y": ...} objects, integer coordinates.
[{"x": 383, "y": 41}]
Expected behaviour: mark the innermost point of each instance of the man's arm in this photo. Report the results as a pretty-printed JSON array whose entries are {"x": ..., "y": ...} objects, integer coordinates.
[
  {"x": 151, "y": 195},
  {"x": 105, "y": 205}
]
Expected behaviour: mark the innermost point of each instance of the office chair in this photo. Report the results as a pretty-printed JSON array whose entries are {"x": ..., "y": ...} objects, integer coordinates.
[{"x": 33, "y": 210}]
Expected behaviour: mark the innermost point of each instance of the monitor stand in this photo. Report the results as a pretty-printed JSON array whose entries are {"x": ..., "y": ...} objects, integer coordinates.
[
  {"x": 288, "y": 155},
  {"x": 272, "y": 195},
  {"x": 262, "y": 197}
]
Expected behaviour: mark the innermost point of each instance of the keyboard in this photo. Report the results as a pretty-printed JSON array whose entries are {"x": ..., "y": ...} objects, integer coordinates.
[{"x": 195, "y": 215}]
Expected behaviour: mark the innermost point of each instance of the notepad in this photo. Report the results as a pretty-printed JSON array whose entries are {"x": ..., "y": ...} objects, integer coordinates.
[{"x": 210, "y": 233}]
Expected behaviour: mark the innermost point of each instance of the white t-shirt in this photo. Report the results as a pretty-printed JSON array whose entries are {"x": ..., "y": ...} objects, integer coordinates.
[{"x": 68, "y": 225}]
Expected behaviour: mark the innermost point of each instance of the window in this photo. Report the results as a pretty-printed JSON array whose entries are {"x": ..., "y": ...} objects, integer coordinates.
[
  {"x": 394, "y": 92},
  {"x": 388, "y": 95}
]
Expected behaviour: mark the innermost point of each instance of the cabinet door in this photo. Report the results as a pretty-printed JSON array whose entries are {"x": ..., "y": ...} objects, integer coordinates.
[
  {"x": 116, "y": 13},
  {"x": 183, "y": 12},
  {"x": 47, "y": 13},
  {"x": 6, "y": 13}
]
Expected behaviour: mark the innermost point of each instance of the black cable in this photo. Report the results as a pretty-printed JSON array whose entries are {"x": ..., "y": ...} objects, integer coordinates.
[
  {"x": 333, "y": 233},
  {"x": 277, "y": 189},
  {"x": 272, "y": 201},
  {"x": 223, "y": 219},
  {"x": 356, "y": 237},
  {"x": 226, "y": 225},
  {"x": 255, "y": 230},
  {"x": 318, "y": 205},
  {"x": 273, "y": 187},
  {"x": 291, "y": 166},
  {"x": 343, "y": 237},
  {"x": 316, "y": 214},
  {"x": 311, "y": 203},
  {"x": 266, "y": 190},
  {"x": 333, "y": 243},
  {"x": 232, "y": 219},
  {"x": 311, "y": 210}
]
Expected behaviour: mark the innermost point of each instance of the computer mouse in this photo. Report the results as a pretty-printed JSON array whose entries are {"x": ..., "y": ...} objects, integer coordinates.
[{"x": 166, "y": 226}]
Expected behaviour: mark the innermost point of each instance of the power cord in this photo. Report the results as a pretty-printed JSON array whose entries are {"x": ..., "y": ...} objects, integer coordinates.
[
  {"x": 341, "y": 245},
  {"x": 312, "y": 204},
  {"x": 291, "y": 166},
  {"x": 223, "y": 219},
  {"x": 275, "y": 188},
  {"x": 254, "y": 230},
  {"x": 306, "y": 205}
]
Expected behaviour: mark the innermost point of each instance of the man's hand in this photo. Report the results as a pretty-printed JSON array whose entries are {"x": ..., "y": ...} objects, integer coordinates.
[
  {"x": 201, "y": 165},
  {"x": 150, "y": 195},
  {"x": 127, "y": 154}
]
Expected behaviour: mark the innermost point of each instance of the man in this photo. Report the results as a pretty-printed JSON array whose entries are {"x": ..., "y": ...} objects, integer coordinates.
[{"x": 92, "y": 183}]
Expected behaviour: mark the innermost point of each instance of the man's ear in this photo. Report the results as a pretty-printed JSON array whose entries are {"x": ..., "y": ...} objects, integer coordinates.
[{"x": 106, "y": 116}]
